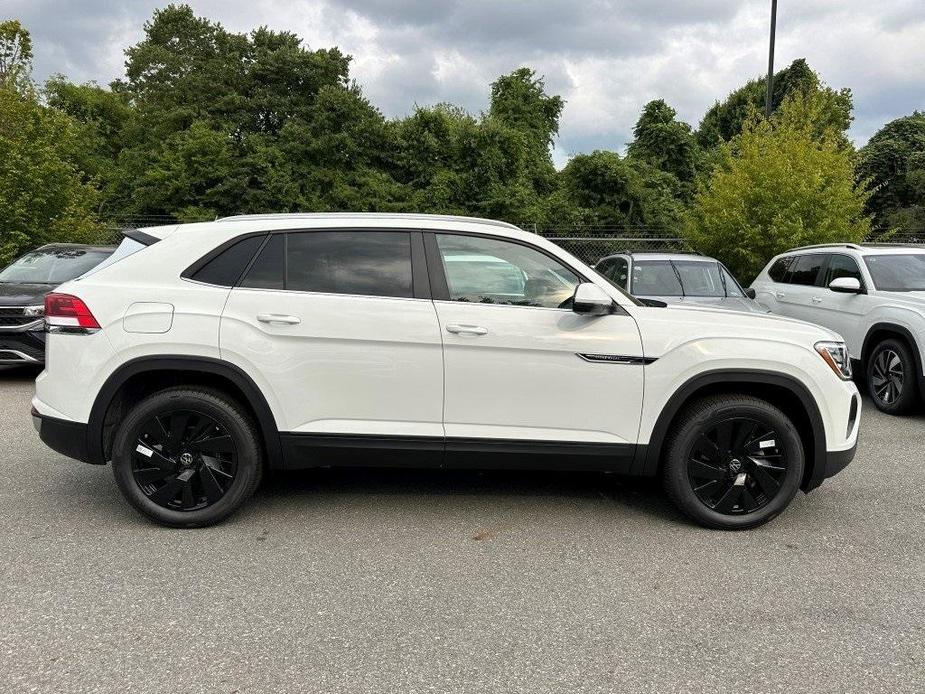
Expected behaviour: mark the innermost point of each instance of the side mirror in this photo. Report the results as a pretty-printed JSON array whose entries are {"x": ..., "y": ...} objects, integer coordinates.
[
  {"x": 591, "y": 300},
  {"x": 846, "y": 285},
  {"x": 751, "y": 293}
]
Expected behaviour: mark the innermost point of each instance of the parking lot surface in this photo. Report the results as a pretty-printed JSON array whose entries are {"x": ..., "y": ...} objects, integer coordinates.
[{"x": 446, "y": 581}]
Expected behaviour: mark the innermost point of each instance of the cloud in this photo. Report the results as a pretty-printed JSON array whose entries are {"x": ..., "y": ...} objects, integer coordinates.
[{"x": 606, "y": 58}]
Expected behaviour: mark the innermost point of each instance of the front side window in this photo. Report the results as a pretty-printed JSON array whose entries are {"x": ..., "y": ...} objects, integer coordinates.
[
  {"x": 806, "y": 269},
  {"x": 655, "y": 278},
  {"x": 493, "y": 271},
  {"x": 903, "y": 272},
  {"x": 842, "y": 266},
  {"x": 53, "y": 265}
]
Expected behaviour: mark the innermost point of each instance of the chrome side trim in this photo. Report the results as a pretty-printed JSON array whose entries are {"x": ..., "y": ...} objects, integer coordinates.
[{"x": 616, "y": 359}]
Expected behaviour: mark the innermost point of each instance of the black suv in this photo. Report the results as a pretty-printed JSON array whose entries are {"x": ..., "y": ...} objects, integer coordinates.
[{"x": 23, "y": 286}]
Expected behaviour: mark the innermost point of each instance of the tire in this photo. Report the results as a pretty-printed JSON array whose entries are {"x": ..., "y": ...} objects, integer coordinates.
[
  {"x": 737, "y": 490},
  {"x": 187, "y": 457},
  {"x": 892, "y": 380}
]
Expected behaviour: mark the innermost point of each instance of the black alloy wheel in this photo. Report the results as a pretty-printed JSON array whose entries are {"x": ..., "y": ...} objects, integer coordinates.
[
  {"x": 737, "y": 465},
  {"x": 184, "y": 460},
  {"x": 732, "y": 461},
  {"x": 187, "y": 457}
]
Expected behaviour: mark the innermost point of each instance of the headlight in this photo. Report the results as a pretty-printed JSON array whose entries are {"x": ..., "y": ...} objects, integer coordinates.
[
  {"x": 34, "y": 310},
  {"x": 835, "y": 354}
]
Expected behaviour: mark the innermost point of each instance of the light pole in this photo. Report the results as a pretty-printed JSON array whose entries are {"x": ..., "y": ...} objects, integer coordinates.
[{"x": 767, "y": 100}]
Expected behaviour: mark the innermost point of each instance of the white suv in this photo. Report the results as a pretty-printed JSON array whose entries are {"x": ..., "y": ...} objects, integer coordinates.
[
  {"x": 202, "y": 353},
  {"x": 874, "y": 296}
]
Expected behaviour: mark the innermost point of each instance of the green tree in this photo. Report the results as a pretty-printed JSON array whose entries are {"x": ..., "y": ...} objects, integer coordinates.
[
  {"x": 724, "y": 120},
  {"x": 894, "y": 162},
  {"x": 666, "y": 143},
  {"x": 44, "y": 197},
  {"x": 15, "y": 56},
  {"x": 778, "y": 185}
]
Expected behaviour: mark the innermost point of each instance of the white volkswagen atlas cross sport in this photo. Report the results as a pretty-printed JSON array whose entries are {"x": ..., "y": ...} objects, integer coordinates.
[
  {"x": 874, "y": 296},
  {"x": 204, "y": 353}
]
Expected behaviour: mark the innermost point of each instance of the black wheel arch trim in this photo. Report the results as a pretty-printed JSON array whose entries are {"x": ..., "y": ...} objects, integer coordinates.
[
  {"x": 207, "y": 365},
  {"x": 869, "y": 345},
  {"x": 648, "y": 457}
]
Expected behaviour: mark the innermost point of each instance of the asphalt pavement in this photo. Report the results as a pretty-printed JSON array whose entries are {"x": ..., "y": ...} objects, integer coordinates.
[{"x": 445, "y": 581}]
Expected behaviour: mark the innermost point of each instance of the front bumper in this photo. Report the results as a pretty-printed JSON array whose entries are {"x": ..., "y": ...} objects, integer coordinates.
[
  {"x": 836, "y": 461},
  {"x": 61, "y": 435},
  {"x": 21, "y": 347}
]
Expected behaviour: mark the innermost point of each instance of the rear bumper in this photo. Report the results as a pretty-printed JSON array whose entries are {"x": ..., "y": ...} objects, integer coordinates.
[{"x": 65, "y": 437}]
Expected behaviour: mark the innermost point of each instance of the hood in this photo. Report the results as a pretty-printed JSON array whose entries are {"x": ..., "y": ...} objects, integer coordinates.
[
  {"x": 17, "y": 294},
  {"x": 689, "y": 322}
]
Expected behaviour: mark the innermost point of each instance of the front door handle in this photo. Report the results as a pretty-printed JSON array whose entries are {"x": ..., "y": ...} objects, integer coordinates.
[
  {"x": 466, "y": 330},
  {"x": 779, "y": 295},
  {"x": 817, "y": 299},
  {"x": 278, "y": 318}
]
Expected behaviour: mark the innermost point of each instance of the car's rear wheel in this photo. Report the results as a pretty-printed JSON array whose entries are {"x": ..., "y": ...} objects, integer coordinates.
[
  {"x": 892, "y": 378},
  {"x": 187, "y": 457},
  {"x": 732, "y": 461}
]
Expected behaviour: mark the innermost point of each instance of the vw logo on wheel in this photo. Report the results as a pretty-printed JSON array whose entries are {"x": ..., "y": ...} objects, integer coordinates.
[
  {"x": 186, "y": 459},
  {"x": 735, "y": 465}
]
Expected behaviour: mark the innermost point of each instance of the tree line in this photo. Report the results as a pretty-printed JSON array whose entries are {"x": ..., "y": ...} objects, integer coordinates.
[{"x": 207, "y": 122}]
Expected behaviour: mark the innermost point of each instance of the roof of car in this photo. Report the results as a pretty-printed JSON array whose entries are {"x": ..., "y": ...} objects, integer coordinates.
[
  {"x": 864, "y": 249},
  {"x": 366, "y": 216},
  {"x": 658, "y": 255}
]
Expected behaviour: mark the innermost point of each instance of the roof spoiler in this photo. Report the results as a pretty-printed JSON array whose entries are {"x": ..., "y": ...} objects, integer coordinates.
[{"x": 140, "y": 236}]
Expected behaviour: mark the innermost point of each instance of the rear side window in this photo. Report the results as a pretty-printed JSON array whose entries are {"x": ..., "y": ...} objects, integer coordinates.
[
  {"x": 806, "y": 269},
  {"x": 778, "y": 270},
  {"x": 269, "y": 269},
  {"x": 226, "y": 268}
]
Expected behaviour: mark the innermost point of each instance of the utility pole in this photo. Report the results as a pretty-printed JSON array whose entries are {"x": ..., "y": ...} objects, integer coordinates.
[{"x": 767, "y": 101}]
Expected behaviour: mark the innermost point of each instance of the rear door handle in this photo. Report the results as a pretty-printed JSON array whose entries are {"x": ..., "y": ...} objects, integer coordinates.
[
  {"x": 779, "y": 295},
  {"x": 278, "y": 318},
  {"x": 466, "y": 330},
  {"x": 817, "y": 299}
]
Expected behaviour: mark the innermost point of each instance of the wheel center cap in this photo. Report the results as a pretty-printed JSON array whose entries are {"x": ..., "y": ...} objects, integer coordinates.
[
  {"x": 186, "y": 459},
  {"x": 735, "y": 465}
]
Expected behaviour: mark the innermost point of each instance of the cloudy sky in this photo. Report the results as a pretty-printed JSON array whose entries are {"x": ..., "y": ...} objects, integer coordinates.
[{"x": 605, "y": 57}]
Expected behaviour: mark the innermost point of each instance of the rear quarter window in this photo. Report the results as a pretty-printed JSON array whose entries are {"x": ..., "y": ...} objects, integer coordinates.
[{"x": 226, "y": 268}]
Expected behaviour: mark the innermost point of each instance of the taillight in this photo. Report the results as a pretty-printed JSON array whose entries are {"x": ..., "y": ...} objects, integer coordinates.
[{"x": 67, "y": 311}]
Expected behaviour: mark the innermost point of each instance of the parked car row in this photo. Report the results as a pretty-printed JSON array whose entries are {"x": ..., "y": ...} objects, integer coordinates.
[
  {"x": 199, "y": 354},
  {"x": 873, "y": 296}
]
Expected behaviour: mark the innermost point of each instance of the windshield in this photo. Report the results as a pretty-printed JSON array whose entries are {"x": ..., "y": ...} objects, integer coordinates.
[
  {"x": 53, "y": 265},
  {"x": 897, "y": 273},
  {"x": 699, "y": 278},
  {"x": 695, "y": 278}
]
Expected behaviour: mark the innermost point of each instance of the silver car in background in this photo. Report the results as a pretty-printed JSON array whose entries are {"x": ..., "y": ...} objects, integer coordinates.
[{"x": 678, "y": 278}]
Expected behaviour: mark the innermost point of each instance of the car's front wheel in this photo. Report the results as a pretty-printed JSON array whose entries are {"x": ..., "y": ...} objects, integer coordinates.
[
  {"x": 732, "y": 461},
  {"x": 187, "y": 457},
  {"x": 891, "y": 377}
]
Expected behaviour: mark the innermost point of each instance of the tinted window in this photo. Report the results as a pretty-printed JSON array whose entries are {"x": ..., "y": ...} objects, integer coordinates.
[
  {"x": 806, "y": 269},
  {"x": 897, "y": 273},
  {"x": 227, "y": 267},
  {"x": 842, "y": 266},
  {"x": 370, "y": 263},
  {"x": 269, "y": 269},
  {"x": 617, "y": 271},
  {"x": 699, "y": 278},
  {"x": 492, "y": 271},
  {"x": 53, "y": 265},
  {"x": 779, "y": 269},
  {"x": 655, "y": 278}
]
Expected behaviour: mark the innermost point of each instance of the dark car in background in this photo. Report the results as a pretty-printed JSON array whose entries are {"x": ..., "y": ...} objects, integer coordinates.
[
  {"x": 678, "y": 278},
  {"x": 23, "y": 286}
]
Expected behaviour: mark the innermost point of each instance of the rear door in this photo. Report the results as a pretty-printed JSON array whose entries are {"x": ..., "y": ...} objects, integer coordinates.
[
  {"x": 803, "y": 281},
  {"x": 339, "y": 327}
]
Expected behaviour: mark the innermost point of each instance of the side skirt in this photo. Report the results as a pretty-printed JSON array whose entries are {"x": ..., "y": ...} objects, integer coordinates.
[{"x": 334, "y": 450}]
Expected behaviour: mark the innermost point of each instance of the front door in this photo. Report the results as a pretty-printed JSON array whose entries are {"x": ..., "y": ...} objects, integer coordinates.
[{"x": 521, "y": 368}]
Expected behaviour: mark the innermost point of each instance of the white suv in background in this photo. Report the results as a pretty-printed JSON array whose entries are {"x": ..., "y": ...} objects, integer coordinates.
[
  {"x": 205, "y": 352},
  {"x": 873, "y": 296}
]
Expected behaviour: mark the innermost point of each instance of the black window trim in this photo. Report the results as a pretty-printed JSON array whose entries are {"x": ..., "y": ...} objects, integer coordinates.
[{"x": 420, "y": 282}]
